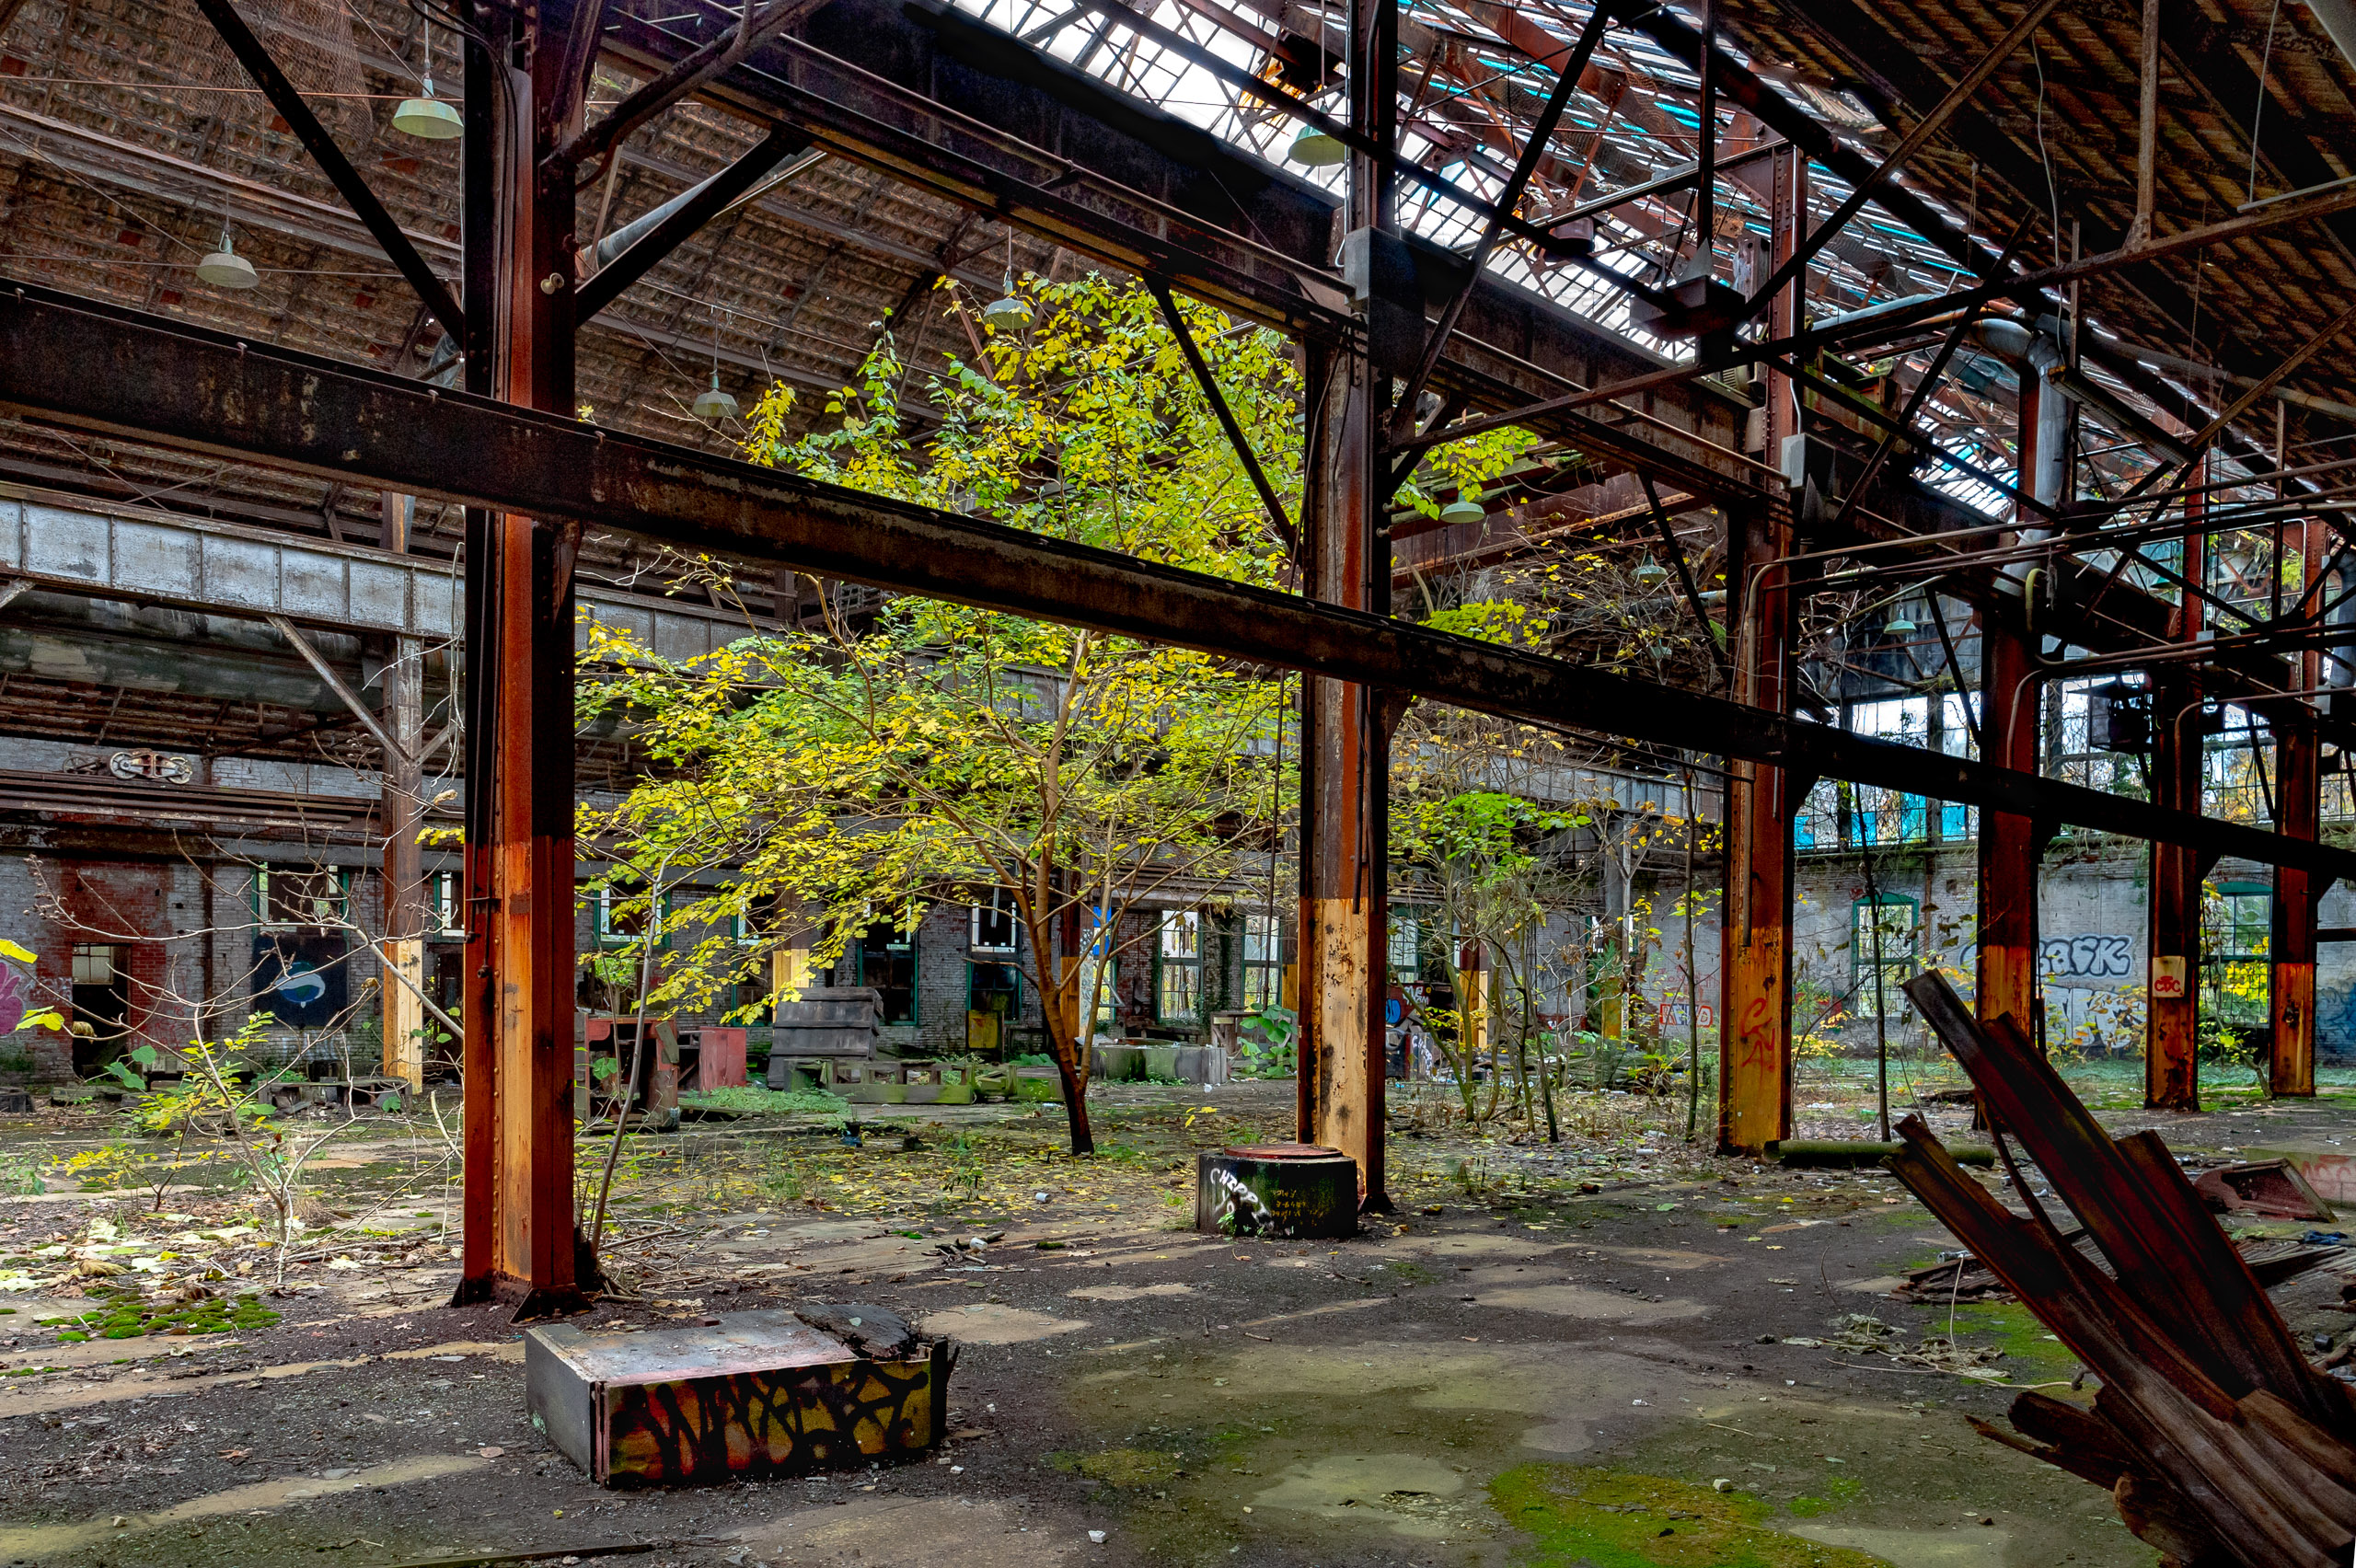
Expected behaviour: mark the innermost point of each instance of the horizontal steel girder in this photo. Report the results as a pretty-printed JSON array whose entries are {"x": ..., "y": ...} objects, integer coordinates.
[
  {"x": 225, "y": 569},
  {"x": 126, "y": 373}
]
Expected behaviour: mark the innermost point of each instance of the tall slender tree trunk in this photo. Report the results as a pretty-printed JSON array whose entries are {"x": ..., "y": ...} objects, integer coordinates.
[{"x": 1060, "y": 1009}]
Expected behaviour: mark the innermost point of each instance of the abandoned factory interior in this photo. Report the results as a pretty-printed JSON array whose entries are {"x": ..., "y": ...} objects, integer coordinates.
[{"x": 1221, "y": 783}]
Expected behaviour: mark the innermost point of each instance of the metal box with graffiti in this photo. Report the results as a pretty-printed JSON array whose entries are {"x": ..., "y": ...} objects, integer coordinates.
[{"x": 743, "y": 1395}]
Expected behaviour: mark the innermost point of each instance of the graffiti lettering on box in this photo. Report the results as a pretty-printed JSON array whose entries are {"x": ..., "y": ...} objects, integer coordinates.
[
  {"x": 2087, "y": 958},
  {"x": 1237, "y": 1196}
]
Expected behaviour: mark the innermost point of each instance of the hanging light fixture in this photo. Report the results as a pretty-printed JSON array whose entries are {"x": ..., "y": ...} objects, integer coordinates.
[
  {"x": 1316, "y": 147},
  {"x": 224, "y": 268},
  {"x": 1009, "y": 312},
  {"x": 1899, "y": 625},
  {"x": 1650, "y": 573},
  {"x": 711, "y": 403},
  {"x": 425, "y": 116},
  {"x": 1465, "y": 508}
]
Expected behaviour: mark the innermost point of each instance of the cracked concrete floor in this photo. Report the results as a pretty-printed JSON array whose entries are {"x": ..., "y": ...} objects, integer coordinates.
[{"x": 1510, "y": 1370}]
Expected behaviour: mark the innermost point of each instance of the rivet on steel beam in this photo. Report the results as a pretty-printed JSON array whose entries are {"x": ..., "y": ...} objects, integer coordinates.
[{"x": 552, "y": 283}]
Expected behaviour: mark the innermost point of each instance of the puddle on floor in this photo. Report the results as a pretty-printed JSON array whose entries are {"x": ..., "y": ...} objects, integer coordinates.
[
  {"x": 1398, "y": 1490},
  {"x": 1964, "y": 1546},
  {"x": 36, "y": 1541},
  {"x": 986, "y": 1322}
]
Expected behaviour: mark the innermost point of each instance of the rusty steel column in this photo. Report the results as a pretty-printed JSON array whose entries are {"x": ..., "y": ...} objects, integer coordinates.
[
  {"x": 2172, "y": 949},
  {"x": 1754, "y": 930},
  {"x": 2298, "y": 789},
  {"x": 1346, "y": 729},
  {"x": 401, "y": 948},
  {"x": 2008, "y": 850},
  {"x": 2010, "y": 846},
  {"x": 1346, "y": 746},
  {"x": 521, "y": 1244},
  {"x": 1755, "y": 1008}
]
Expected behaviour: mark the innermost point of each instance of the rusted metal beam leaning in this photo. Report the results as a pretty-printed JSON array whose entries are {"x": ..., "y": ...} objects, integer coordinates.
[
  {"x": 2138, "y": 1208},
  {"x": 2198, "y": 1482},
  {"x": 103, "y": 368}
]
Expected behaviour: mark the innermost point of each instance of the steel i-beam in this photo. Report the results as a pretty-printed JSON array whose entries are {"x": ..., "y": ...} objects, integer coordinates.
[
  {"x": 1755, "y": 959},
  {"x": 2172, "y": 954},
  {"x": 520, "y": 1243}
]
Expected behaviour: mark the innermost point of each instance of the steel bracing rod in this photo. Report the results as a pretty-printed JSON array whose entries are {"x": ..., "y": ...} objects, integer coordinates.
[
  {"x": 1913, "y": 141},
  {"x": 1880, "y": 324},
  {"x": 314, "y": 136},
  {"x": 2272, "y": 378},
  {"x": 1665, "y": 185},
  {"x": 1534, "y": 148},
  {"x": 1955, "y": 665},
  {"x": 1925, "y": 388},
  {"x": 1790, "y": 365},
  {"x": 606, "y": 283},
  {"x": 1718, "y": 655},
  {"x": 1738, "y": 84},
  {"x": 1279, "y": 523},
  {"x": 144, "y": 378},
  {"x": 586, "y": 152},
  {"x": 326, "y": 671},
  {"x": 1906, "y": 313}
]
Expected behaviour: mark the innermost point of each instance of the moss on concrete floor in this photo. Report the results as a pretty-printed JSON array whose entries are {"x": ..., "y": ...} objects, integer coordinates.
[{"x": 1608, "y": 1518}]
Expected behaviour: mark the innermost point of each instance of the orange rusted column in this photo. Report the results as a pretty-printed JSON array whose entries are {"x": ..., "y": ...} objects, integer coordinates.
[
  {"x": 520, "y": 1243},
  {"x": 1755, "y": 961},
  {"x": 1345, "y": 774},
  {"x": 2172, "y": 951},
  {"x": 1755, "y": 1008},
  {"x": 2007, "y": 979},
  {"x": 2298, "y": 787}
]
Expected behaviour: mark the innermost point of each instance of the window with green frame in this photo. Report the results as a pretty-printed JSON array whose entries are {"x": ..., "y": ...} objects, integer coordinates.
[
  {"x": 2239, "y": 923},
  {"x": 301, "y": 896},
  {"x": 1178, "y": 968},
  {"x": 1894, "y": 919},
  {"x": 1406, "y": 951},
  {"x": 2237, "y": 936},
  {"x": 1264, "y": 962},
  {"x": 622, "y": 916}
]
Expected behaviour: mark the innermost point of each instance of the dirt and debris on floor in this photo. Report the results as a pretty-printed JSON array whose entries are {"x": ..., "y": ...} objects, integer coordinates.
[{"x": 1610, "y": 1350}]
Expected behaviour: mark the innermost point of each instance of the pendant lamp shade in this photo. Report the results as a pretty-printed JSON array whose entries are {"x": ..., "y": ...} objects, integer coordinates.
[
  {"x": 1008, "y": 313},
  {"x": 428, "y": 117},
  {"x": 1317, "y": 149},
  {"x": 224, "y": 268},
  {"x": 712, "y": 403},
  {"x": 1465, "y": 508}
]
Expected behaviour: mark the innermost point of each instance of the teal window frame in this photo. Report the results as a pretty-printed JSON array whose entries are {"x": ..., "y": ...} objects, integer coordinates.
[
  {"x": 1866, "y": 1000},
  {"x": 1168, "y": 965}
]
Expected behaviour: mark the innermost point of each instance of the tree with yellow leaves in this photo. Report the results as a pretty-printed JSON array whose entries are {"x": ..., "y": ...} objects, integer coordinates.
[{"x": 853, "y": 772}]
